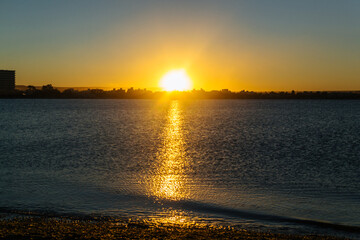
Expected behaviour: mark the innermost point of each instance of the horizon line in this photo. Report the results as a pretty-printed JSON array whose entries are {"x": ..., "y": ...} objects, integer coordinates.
[{"x": 160, "y": 90}]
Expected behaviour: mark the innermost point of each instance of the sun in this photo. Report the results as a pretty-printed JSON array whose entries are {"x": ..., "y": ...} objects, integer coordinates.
[{"x": 176, "y": 80}]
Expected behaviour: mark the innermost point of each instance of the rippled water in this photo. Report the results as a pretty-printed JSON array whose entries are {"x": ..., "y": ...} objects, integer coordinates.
[{"x": 248, "y": 162}]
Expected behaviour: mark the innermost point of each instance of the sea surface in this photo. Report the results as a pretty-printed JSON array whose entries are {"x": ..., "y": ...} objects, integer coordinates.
[{"x": 281, "y": 165}]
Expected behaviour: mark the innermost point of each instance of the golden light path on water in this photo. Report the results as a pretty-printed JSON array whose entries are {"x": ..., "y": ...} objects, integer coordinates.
[{"x": 169, "y": 181}]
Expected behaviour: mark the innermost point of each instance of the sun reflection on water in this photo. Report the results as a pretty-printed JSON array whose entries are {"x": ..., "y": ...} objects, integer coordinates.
[{"x": 168, "y": 181}]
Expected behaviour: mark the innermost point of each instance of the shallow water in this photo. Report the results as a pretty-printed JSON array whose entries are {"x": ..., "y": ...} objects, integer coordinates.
[{"x": 256, "y": 163}]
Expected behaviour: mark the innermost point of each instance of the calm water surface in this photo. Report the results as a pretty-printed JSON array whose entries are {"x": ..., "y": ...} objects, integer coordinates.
[{"x": 255, "y": 163}]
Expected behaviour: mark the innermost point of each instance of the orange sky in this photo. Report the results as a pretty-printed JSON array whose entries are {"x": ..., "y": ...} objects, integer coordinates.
[{"x": 253, "y": 45}]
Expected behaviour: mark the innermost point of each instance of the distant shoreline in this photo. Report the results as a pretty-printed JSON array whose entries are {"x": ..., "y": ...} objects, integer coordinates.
[{"x": 48, "y": 91}]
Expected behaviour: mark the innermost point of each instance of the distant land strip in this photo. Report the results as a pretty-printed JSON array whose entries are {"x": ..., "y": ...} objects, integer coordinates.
[{"x": 48, "y": 91}]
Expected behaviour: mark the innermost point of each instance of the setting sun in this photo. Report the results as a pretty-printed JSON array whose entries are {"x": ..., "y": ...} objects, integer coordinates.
[{"x": 176, "y": 80}]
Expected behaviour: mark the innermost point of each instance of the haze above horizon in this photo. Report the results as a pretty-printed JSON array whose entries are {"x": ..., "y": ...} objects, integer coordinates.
[{"x": 256, "y": 45}]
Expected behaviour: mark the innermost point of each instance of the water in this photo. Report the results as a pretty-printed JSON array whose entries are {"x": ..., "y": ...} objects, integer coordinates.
[{"x": 284, "y": 165}]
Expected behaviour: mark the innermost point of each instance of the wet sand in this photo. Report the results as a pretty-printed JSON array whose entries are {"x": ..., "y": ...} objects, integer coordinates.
[{"x": 70, "y": 228}]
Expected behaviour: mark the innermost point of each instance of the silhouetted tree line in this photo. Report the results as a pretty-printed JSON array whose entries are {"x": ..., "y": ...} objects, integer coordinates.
[{"x": 48, "y": 91}]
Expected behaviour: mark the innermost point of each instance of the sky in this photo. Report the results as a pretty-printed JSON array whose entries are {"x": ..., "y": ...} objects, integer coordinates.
[{"x": 257, "y": 45}]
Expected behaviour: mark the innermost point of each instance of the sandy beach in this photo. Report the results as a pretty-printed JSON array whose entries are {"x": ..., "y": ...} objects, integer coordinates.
[{"x": 70, "y": 228}]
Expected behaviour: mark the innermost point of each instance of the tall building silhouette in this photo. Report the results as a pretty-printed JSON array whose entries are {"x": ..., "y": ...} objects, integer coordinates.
[{"x": 7, "y": 80}]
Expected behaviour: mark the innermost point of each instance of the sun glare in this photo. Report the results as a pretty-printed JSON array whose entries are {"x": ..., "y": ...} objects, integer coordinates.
[{"x": 176, "y": 80}]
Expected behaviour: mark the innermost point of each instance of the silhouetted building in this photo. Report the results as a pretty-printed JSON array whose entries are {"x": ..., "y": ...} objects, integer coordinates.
[{"x": 7, "y": 80}]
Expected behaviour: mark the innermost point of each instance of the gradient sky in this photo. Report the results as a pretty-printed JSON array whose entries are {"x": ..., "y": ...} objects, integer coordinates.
[{"x": 254, "y": 45}]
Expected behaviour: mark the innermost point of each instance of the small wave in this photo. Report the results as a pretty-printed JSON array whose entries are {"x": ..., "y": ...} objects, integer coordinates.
[
  {"x": 218, "y": 210},
  {"x": 186, "y": 205},
  {"x": 244, "y": 214}
]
